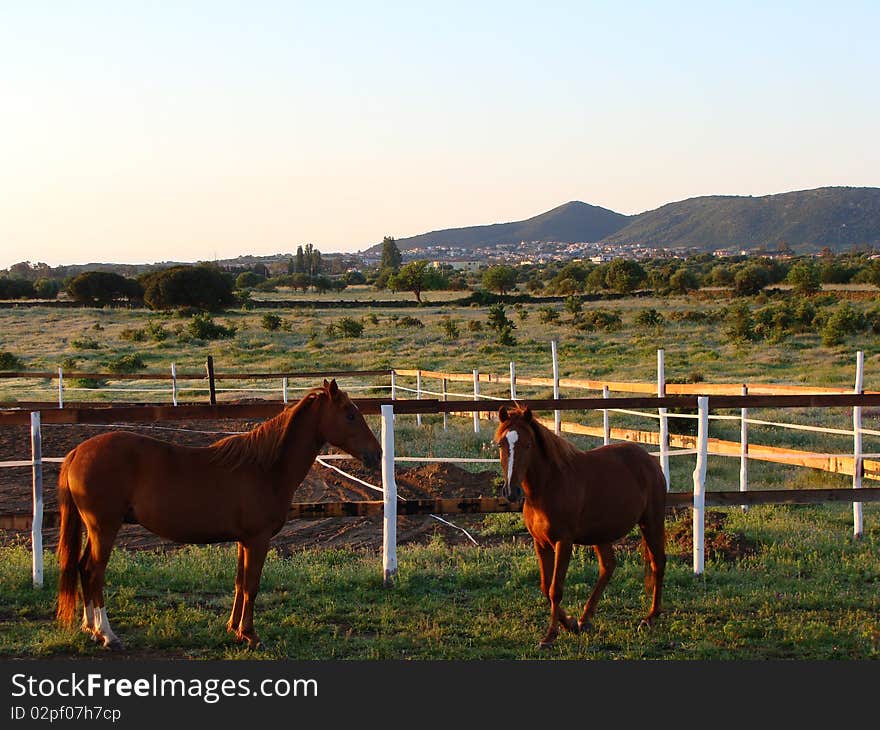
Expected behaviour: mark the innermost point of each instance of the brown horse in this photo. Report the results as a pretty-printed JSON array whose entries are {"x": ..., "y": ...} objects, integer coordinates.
[
  {"x": 575, "y": 497},
  {"x": 237, "y": 489}
]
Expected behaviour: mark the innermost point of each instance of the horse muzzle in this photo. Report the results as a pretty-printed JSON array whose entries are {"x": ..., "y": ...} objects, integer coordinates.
[
  {"x": 372, "y": 459},
  {"x": 512, "y": 492}
]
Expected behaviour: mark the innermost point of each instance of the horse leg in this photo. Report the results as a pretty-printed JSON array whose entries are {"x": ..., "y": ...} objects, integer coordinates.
[
  {"x": 545, "y": 563},
  {"x": 607, "y": 564},
  {"x": 654, "y": 541},
  {"x": 238, "y": 600},
  {"x": 562, "y": 556},
  {"x": 102, "y": 543},
  {"x": 88, "y": 621},
  {"x": 254, "y": 557}
]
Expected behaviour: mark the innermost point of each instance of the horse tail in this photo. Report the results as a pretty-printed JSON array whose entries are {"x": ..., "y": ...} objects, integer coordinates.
[{"x": 69, "y": 544}]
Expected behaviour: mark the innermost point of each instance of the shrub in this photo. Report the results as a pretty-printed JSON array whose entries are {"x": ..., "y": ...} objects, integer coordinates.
[
  {"x": 573, "y": 305},
  {"x": 10, "y": 362},
  {"x": 739, "y": 326},
  {"x": 156, "y": 331},
  {"x": 408, "y": 321},
  {"x": 203, "y": 327},
  {"x": 450, "y": 328},
  {"x": 200, "y": 287},
  {"x": 270, "y": 321},
  {"x": 99, "y": 288},
  {"x": 844, "y": 321},
  {"x": 85, "y": 342},
  {"x": 547, "y": 314},
  {"x": 649, "y": 318},
  {"x": 600, "y": 319},
  {"x": 128, "y": 363},
  {"x": 248, "y": 280},
  {"x": 475, "y": 326},
  {"x": 133, "y": 335},
  {"x": 350, "y": 327}
]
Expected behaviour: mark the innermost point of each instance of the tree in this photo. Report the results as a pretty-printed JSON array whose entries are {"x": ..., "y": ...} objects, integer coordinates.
[
  {"x": 46, "y": 288},
  {"x": 248, "y": 280},
  {"x": 416, "y": 277},
  {"x": 750, "y": 279},
  {"x": 299, "y": 264},
  {"x": 805, "y": 277},
  {"x": 203, "y": 287},
  {"x": 99, "y": 288},
  {"x": 624, "y": 275},
  {"x": 499, "y": 278},
  {"x": 391, "y": 257},
  {"x": 682, "y": 281}
]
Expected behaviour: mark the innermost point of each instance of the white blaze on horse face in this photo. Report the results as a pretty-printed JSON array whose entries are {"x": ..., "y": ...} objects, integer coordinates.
[{"x": 512, "y": 437}]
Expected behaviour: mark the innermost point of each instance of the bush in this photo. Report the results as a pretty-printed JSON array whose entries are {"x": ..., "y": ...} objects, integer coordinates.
[
  {"x": 248, "y": 280},
  {"x": 128, "y": 363},
  {"x": 203, "y": 327},
  {"x": 739, "y": 326},
  {"x": 133, "y": 335},
  {"x": 350, "y": 327},
  {"x": 844, "y": 321},
  {"x": 450, "y": 328},
  {"x": 99, "y": 288},
  {"x": 408, "y": 321},
  {"x": 270, "y": 321},
  {"x": 475, "y": 326},
  {"x": 156, "y": 331},
  {"x": 649, "y": 318},
  {"x": 10, "y": 362},
  {"x": 600, "y": 319},
  {"x": 85, "y": 343},
  {"x": 547, "y": 314},
  {"x": 200, "y": 287}
]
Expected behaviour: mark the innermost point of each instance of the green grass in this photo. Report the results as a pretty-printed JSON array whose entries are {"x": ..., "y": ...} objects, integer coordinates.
[{"x": 809, "y": 591}]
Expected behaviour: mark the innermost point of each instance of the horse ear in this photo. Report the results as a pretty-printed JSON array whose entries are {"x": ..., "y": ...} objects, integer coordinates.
[
  {"x": 503, "y": 415},
  {"x": 527, "y": 413},
  {"x": 326, "y": 384},
  {"x": 332, "y": 388}
]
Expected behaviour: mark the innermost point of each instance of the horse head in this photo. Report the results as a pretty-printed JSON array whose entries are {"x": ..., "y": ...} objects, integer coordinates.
[
  {"x": 515, "y": 438},
  {"x": 343, "y": 426}
]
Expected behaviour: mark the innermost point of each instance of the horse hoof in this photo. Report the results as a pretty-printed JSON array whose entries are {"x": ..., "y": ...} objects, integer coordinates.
[
  {"x": 545, "y": 645},
  {"x": 644, "y": 624},
  {"x": 585, "y": 627},
  {"x": 113, "y": 644}
]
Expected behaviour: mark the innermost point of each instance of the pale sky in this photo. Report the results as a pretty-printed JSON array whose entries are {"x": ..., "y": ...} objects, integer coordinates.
[{"x": 142, "y": 132}]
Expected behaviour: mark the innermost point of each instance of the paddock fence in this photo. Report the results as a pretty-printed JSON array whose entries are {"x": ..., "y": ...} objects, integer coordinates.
[{"x": 480, "y": 404}]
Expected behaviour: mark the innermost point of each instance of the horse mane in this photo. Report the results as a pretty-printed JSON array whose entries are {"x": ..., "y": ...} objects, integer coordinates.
[
  {"x": 555, "y": 448},
  {"x": 262, "y": 445}
]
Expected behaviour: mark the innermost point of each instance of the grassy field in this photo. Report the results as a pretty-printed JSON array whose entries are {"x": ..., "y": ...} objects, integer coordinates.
[{"x": 805, "y": 591}]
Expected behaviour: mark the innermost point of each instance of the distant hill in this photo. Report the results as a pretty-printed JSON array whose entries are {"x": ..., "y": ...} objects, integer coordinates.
[
  {"x": 805, "y": 220},
  {"x": 574, "y": 221}
]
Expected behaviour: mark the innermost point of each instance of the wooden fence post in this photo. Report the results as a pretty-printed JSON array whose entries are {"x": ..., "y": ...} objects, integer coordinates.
[
  {"x": 557, "y": 417},
  {"x": 389, "y": 498},
  {"x": 37, "y": 522},
  {"x": 211, "y": 387},
  {"x": 664, "y": 420},
  {"x": 857, "y": 444},
  {"x": 699, "y": 510},
  {"x": 744, "y": 449}
]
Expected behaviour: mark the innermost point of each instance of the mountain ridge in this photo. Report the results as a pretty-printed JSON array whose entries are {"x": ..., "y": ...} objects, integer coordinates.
[{"x": 838, "y": 217}]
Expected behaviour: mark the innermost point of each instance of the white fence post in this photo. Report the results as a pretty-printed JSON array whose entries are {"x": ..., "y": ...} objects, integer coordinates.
[
  {"x": 174, "y": 383},
  {"x": 37, "y": 521},
  {"x": 606, "y": 424},
  {"x": 284, "y": 389},
  {"x": 393, "y": 386},
  {"x": 60, "y": 388},
  {"x": 699, "y": 511},
  {"x": 389, "y": 498},
  {"x": 445, "y": 398},
  {"x": 664, "y": 421},
  {"x": 512, "y": 381},
  {"x": 557, "y": 425},
  {"x": 744, "y": 449},
  {"x": 418, "y": 395},
  {"x": 476, "y": 397},
  {"x": 857, "y": 443}
]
